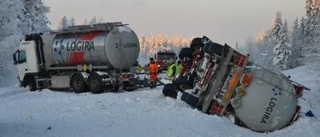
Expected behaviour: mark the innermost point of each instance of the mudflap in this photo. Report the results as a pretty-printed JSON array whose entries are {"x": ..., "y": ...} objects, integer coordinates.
[
  {"x": 130, "y": 88},
  {"x": 169, "y": 90}
]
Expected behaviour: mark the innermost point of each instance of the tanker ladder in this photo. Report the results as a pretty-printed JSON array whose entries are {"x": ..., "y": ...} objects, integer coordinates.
[
  {"x": 108, "y": 27},
  {"x": 209, "y": 67}
]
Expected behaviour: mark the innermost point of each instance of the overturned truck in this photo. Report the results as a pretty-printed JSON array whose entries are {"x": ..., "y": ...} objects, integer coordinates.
[{"x": 219, "y": 80}]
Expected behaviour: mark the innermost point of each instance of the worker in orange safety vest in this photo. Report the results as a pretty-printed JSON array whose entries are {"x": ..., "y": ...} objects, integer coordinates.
[{"x": 153, "y": 73}]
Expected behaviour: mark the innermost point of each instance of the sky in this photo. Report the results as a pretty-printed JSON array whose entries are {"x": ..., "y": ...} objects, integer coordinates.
[
  {"x": 144, "y": 112},
  {"x": 223, "y": 21}
]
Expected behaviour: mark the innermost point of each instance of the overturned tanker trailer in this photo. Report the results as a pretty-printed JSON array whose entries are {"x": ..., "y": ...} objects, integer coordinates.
[
  {"x": 219, "y": 80},
  {"x": 83, "y": 58}
]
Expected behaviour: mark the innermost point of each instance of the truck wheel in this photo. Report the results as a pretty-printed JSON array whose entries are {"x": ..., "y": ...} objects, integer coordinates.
[
  {"x": 115, "y": 88},
  {"x": 213, "y": 48},
  {"x": 128, "y": 87},
  {"x": 77, "y": 83},
  {"x": 192, "y": 100},
  {"x": 184, "y": 96},
  {"x": 196, "y": 42},
  {"x": 185, "y": 53},
  {"x": 31, "y": 83},
  {"x": 95, "y": 83},
  {"x": 184, "y": 83},
  {"x": 169, "y": 90}
]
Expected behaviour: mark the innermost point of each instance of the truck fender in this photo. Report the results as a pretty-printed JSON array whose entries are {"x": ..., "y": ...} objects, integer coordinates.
[{"x": 84, "y": 74}]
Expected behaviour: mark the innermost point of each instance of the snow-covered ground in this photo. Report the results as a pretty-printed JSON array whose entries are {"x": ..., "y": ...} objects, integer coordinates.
[{"x": 141, "y": 113}]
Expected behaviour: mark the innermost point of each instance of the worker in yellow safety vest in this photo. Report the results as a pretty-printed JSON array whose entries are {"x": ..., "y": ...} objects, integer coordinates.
[{"x": 174, "y": 69}]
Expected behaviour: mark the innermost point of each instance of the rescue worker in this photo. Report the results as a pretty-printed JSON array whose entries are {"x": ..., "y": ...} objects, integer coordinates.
[
  {"x": 179, "y": 67},
  {"x": 171, "y": 70},
  {"x": 174, "y": 69},
  {"x": 153, "y": 73}
]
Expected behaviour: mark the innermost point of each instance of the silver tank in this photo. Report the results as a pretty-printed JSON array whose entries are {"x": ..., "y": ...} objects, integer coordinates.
[
  {"x": 118, "y": 48},
  {"x": 269, "y": 103}
]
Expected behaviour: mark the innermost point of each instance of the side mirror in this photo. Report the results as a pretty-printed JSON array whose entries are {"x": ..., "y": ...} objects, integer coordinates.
[{"x": 15, "y": 56}]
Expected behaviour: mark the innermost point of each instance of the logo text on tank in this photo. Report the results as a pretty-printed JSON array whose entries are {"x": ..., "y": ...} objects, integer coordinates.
[
  {"x": 80, "y": 46},
  {"x": 130, "y": 45},
  {"x": 272, "y": 103}
]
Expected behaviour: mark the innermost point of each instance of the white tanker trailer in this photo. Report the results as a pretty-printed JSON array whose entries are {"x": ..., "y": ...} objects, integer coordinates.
[
  {"x": 84, "y": 58},
  {"x": 221, "y": 81}
]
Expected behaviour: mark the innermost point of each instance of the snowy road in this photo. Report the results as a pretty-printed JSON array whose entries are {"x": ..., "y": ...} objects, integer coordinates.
[{"x": 142, "y": 113}]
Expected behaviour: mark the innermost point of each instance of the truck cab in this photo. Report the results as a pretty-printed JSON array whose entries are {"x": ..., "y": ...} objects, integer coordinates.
[
  {"x": 27, "y": 63},
  {"x": 25, "y": 59},
  {"x": 164, "y": 59}
]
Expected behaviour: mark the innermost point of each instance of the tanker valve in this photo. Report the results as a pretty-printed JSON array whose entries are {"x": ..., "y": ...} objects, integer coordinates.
[{"x": 246, "y": 79}]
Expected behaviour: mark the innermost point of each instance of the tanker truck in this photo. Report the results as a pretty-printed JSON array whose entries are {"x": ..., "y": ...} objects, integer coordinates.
[
  {"x": 221, "y": 81},
  {"x": 93, "y": 58}
]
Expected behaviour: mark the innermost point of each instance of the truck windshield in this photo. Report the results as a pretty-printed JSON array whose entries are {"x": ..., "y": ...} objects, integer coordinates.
[
  {"x": 19, "y": 57},
  {"x": 166, "y": 56}
]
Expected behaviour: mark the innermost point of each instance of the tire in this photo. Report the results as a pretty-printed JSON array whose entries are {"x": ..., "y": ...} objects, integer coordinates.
[
  {"x": 185, "y": 82},
  {"x": 185, "y": 53},
  {"x": 95, "y": 83},
  {"x": 184, "y": 96},
  {"x": 192, "y": 79},
  {"x": 192, "y": 100},
  {"x": 31, "y": 83},
  {"x": 77, "y": 83},
  {"x": 169, "y": 90},
  {"x": 127, "y": 86},
  {"x": 213, "y": 48},
  {"x": 115, "y": 88},
  {"x": 196, "y": 42},
  {"x": 182, "y": 83}
]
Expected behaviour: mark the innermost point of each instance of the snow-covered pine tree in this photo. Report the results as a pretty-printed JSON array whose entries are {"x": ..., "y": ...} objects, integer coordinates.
[
  {"x": 101, "y": 20},
  {"x": 63, "y": 23},
  {"x": 85, "y": 22},
  {"x": 34, "y": 19},
  {"x": 93, "y": 21},
  {"x": 150, "y": 45},
  {"x": 10, "y": 16},
  {"x": 311, "y": 48},
  {"x": 263, "y": 54},
  {"x": 71, "y": 22},
  {"x": 296, "y": 35},
  {"x": 236, "y": 46},
  {"x": 282, "y": 48},
  {"x": 143, "y": 44},
  {"x": 251, "y": 49}
]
